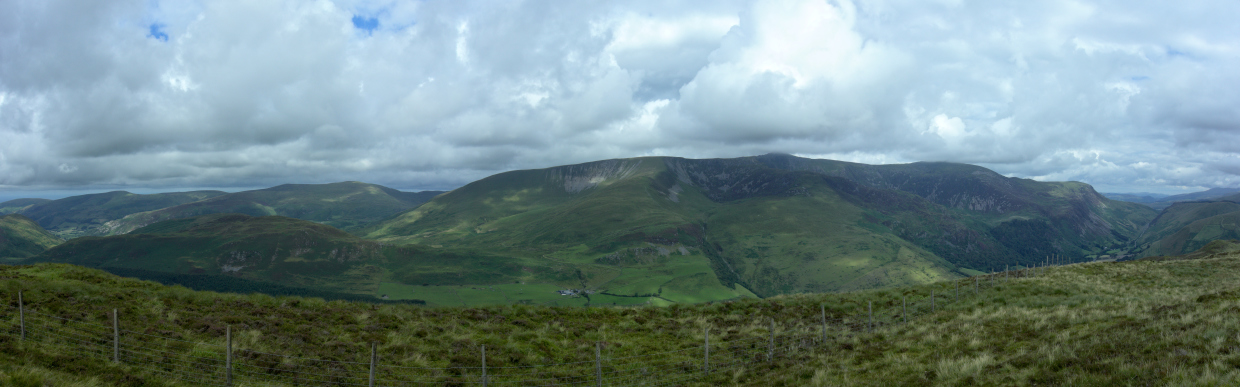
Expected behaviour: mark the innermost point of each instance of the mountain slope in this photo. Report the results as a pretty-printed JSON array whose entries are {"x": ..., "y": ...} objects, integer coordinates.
[
  {"x": 18, "y": 205},
  {"x": 343, "y": 205},
  {"x": 304, "y": 254},
  {"x": 89, "y": 214},
  {"x": 21, "y": 237},
  {"x": 772, "y": 224},
  {"x": 263, "y": 248},
  {"x": 1187, "y": 226}
]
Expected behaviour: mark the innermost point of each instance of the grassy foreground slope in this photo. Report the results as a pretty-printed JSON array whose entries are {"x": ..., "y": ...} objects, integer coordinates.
[
  {"x": 1147, "y": 322},
  {"x": 1165, "y": 321},
  {"x": 344, "y": 205},
  {"x": 21, "y": 237}
]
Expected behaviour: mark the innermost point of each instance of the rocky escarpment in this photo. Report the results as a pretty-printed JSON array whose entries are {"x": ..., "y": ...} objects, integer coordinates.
[
  {"x": 580, "y": 177},
  {"x": 724, "y": 180}
]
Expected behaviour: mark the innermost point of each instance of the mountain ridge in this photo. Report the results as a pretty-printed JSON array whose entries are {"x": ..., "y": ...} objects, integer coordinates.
[{"x": 615, "y": 206}]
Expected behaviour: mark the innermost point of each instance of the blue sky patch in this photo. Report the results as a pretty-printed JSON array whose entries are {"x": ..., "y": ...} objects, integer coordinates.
[
  {"x": 157, "y": 32},
  {"x": 368, "y": 24}
]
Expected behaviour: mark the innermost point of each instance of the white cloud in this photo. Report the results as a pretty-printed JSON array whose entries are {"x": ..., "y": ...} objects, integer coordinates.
[{"x": 242, "y": 93}]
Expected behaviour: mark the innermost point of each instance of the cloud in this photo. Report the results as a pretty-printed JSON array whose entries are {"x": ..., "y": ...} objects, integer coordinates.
[{"x": 431, "y": 95}]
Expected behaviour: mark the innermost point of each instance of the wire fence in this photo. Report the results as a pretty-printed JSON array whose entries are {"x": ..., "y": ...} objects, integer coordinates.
[{"x": 202, "y": 363}]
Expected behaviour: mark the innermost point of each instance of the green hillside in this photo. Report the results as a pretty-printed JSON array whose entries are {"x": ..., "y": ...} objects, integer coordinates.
[
  {"x": 21, "y": 237},
  {"x": 303, "y": 254},
  {"x": 90, "y": 214},
  {"x": 773, "y": 224},
  {"x": 1187, "y": 226},
  {"x": 19, "y": 205},
  {"x": 343, "y": 205},
  {"x": 1147, "y": 322},
  {"x": 273, "y": 248}
]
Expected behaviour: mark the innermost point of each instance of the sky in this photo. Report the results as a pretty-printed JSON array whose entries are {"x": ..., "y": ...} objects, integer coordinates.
[{"x": 152, "y": 96}]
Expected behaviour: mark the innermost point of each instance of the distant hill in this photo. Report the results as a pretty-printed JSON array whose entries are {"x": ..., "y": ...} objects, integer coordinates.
[
  {"x": 18, "y": 205},
  {"x": 21, "y": 237},
  {"x": 282, "y": 250},
  {"x": 773, "y": 224},
  {"x": 1135, "y": 197},
  {"x": 1187, "y": 226},
  {"x": 274, "y": 248},
  {"x": 1207, "y": 195},
  {"x": 89, "y": 214},
  {"x": 345, "y": 205}
]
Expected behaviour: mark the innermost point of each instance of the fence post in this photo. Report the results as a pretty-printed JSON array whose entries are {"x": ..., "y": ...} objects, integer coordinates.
[
  {"x": 1005, "y": 273},
  {"x": 870, "y": 309},
  {"x": 904, "y": 309},
  {"x": 116, "y": 339},
  {"x": 770, "y": 349},
  {"x": 228, "y": 355},
  {"x": 598, "y": 362},
  {"x": 484, "y": 366},
  {"x": 975, "y": 286},
  {"x": 957, "y": 291},
  {"x": 21, "y": 313},
  {"x": 374, "y": 356},
  {"x": 931, "y": 300},
  {"x": 706, "y": 351},
  {"x": 824, "y": 322}
]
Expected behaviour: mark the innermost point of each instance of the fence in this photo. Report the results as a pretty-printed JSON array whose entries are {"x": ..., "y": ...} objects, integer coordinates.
[{"x": 199, "y": 363}]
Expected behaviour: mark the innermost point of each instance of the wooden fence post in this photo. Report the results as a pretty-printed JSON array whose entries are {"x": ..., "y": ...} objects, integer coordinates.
[
  {"x": 598, "y": 362},
  {"x": 116, "y": 339},
  {"x": 931, "y": 300},
  {"x": 21, "y": 313},
  {"x": 770, "y": 349},
  {"x": 374, "y": 356},
  {"x": 975, "y": 292},
  {"x": 706, "y": 351},
  {"x": 228, "y": 355},
  {"x": 484, "y": 366},
  {"x": 823, "y": 307},
  {"x": 870, "y": 310},
  {"x": 904, "y": 309},
  {"x": 957, "y": 291}
]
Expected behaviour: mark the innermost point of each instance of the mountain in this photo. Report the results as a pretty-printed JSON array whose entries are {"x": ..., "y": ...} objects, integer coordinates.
[
  {"x": 1187, "y": 226},
  {"x": 21, "y": 237},
  {"x": 18, "y": 205},
  {"x": 772, "y": 224},
  {"x": 1207, "y": 195},
  {"x": 345, "y": 205},
  {"x": 89, "y": 214}
]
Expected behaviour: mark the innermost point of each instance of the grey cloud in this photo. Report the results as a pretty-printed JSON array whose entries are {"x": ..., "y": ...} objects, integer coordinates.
[{"x": 1119, "y": 94}]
